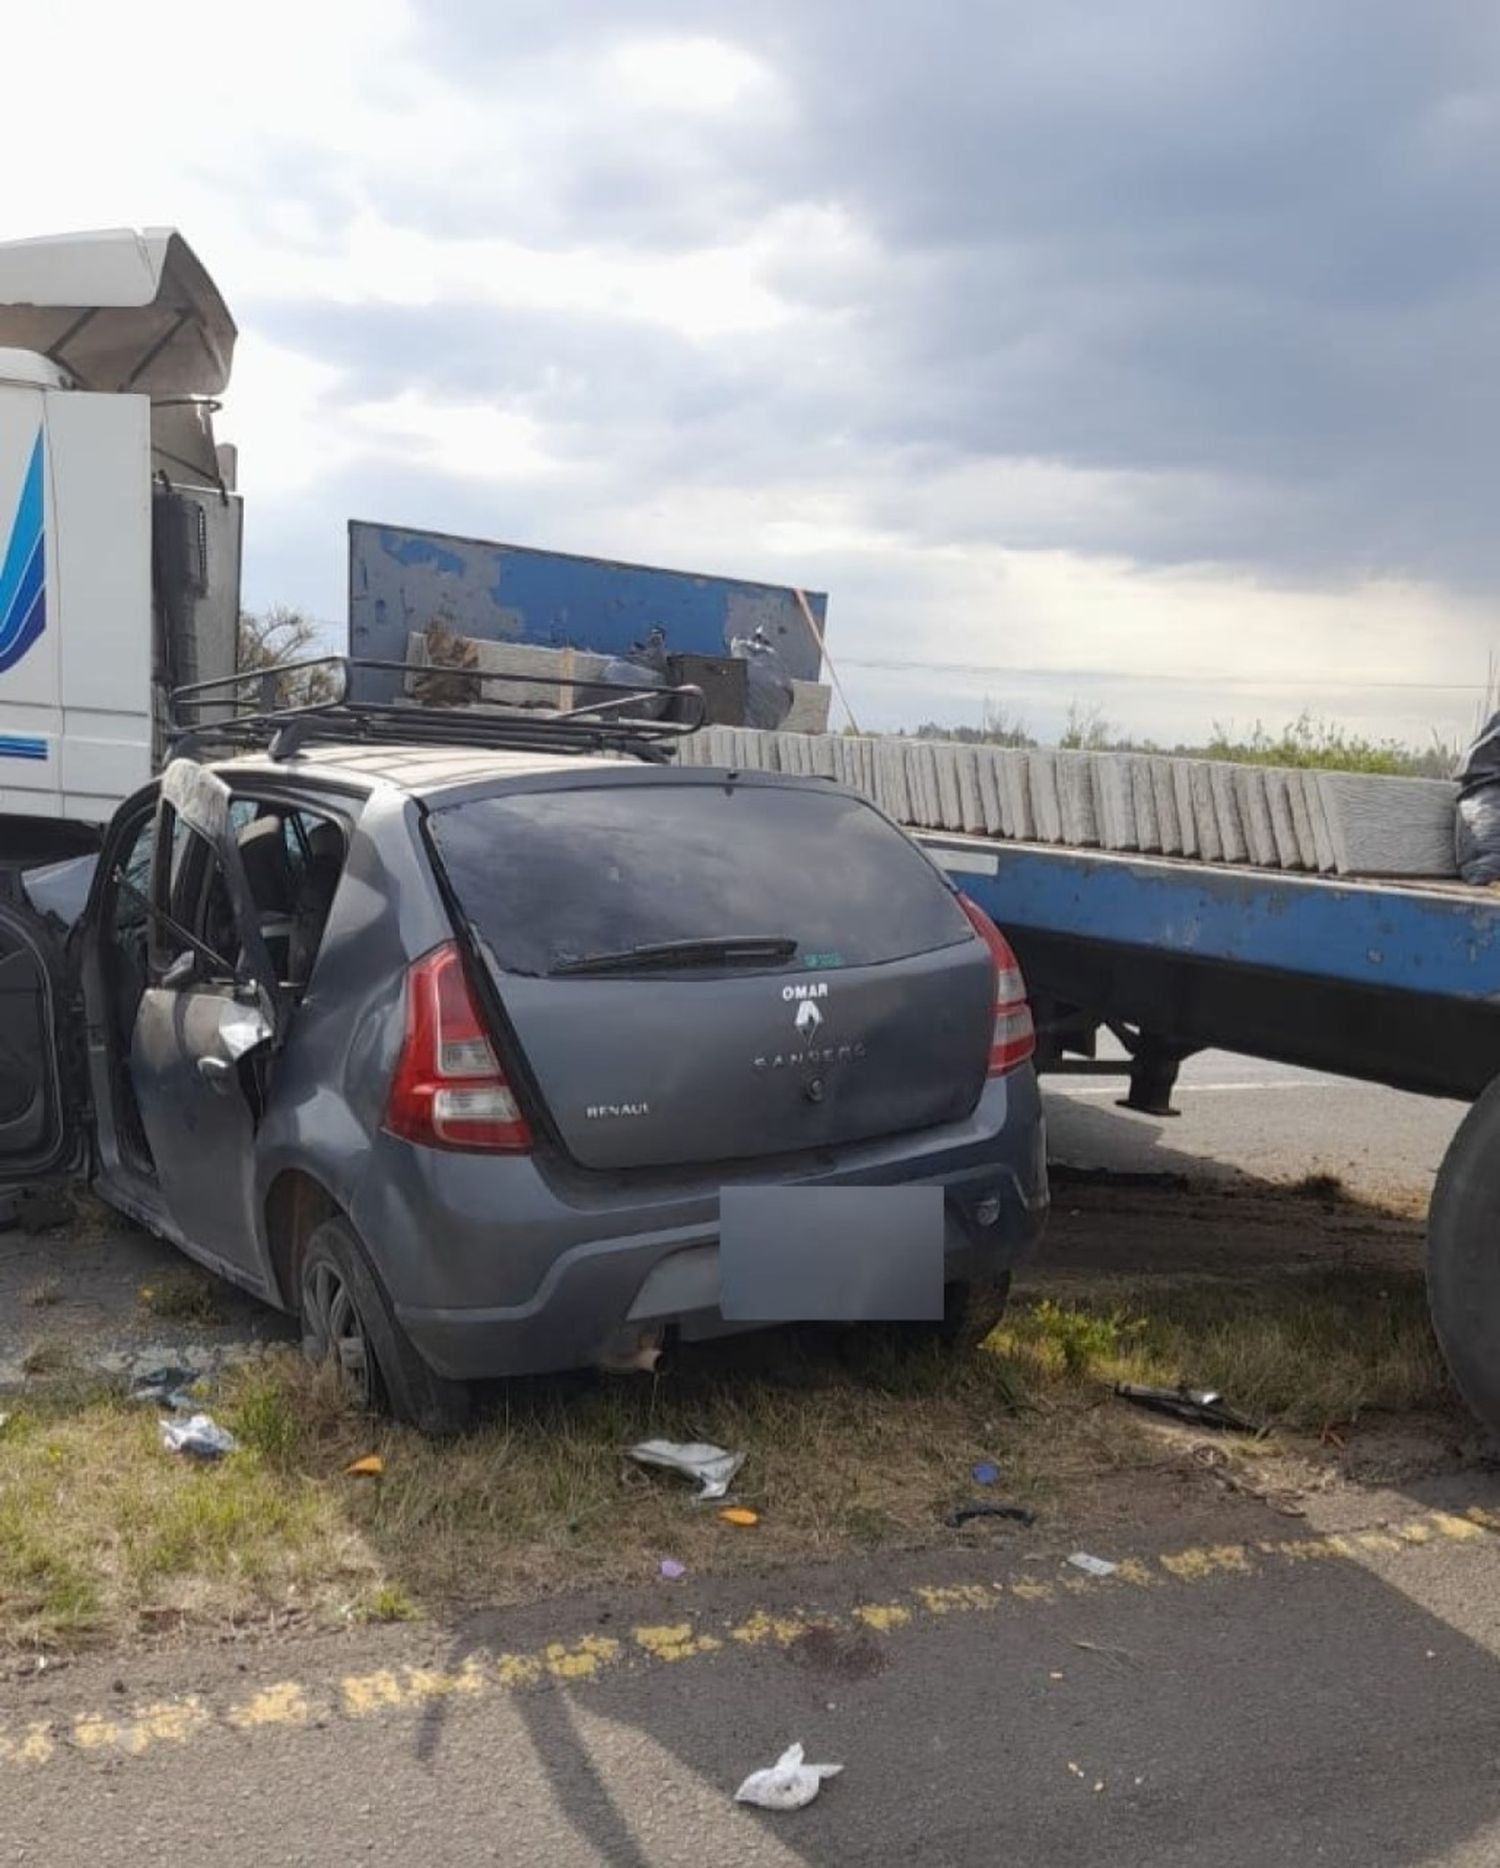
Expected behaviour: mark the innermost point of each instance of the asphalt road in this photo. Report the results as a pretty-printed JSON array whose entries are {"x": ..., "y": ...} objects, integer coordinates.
[
  {"x": 1264, "y": 1694},
  {"x": 1241, "y": 1116}
]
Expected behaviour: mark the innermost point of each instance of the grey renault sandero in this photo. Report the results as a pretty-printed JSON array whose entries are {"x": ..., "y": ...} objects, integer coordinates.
[{"x": 494, "y": 1042}]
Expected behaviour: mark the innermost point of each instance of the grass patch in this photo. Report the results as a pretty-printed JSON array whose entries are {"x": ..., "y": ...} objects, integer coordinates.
[
  {"x": 184, "y": 1296},
  {"x": 854, "y": 1442},
  {"x": 1301, "y": 1350}
]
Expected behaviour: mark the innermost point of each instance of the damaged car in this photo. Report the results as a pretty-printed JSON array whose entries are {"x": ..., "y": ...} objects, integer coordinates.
[{"x": 486, "y": 1050}]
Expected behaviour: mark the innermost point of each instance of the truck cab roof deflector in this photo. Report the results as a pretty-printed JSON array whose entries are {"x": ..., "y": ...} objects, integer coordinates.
[{"x": 119, "y": 311}]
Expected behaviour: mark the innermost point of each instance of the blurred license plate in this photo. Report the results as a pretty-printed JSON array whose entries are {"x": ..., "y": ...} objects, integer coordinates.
[{"x": 830, "y": 1254}]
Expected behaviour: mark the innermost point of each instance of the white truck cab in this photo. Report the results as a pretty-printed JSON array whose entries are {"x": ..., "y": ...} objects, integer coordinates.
[{"x": 119, "y": 523}]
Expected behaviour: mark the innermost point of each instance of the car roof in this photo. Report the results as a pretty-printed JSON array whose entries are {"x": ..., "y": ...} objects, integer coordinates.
[{"x": 418, "y": 770}]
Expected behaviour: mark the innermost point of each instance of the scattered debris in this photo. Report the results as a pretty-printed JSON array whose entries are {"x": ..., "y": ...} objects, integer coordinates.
[
  {"x": 166, "y": 1387},
  {"x": 372, "y": 1466},
  {"x": 200, "y": 1436},
  {"x": 739, "y": 1514},
  {"x": 1019, "y": 1514},
  {"x": 1219, "y": 1464},
  {"x": 788, "y": 1785},
  {"x": 672, "y": 1569},
  {"x": 1205, "y": 1407},
  {"x": 1107, "y": 1650},
  {"x": 1092, "y": 1566},
  {"x": 986, "y": 1473},
  {"x": 711, "y": 1466}
]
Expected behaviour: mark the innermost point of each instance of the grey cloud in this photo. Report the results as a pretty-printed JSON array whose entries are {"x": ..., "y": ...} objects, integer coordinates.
[{"x": 1240, "y": 259}]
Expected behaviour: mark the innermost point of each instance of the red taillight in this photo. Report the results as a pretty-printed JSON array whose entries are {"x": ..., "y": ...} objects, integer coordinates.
[
  {"x": 449, "y": 1090},
  {"x": 1014, "y": 1036}
]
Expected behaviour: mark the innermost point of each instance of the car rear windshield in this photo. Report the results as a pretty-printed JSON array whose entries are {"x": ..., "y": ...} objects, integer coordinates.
[{"x": 552, "y": 879}]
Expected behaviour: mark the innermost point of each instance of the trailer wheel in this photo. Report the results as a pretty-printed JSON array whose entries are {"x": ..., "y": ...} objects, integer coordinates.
[{"x": 1463, "y": 1257}]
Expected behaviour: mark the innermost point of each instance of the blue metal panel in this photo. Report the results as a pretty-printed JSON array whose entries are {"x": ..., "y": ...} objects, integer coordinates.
[
  {"x": 1433, "y": 941},
  {"x": 400, "y": 580}
]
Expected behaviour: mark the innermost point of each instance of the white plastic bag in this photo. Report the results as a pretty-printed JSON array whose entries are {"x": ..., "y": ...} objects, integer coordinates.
[
  {"x": 788, "y": 1785},
  {"x": 711, "y": 1466},
  {"x": 200, "y": 1435}
]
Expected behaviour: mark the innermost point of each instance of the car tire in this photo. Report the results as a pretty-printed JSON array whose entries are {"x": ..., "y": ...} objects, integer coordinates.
[
  {"x": 1463, "y": 1258},
  {"x": 972, "y": 1311},
  {"x": 346, "y": 1317}
]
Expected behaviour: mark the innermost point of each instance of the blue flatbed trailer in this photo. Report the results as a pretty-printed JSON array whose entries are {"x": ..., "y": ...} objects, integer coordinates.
[{"x": 1394, "y": 982}]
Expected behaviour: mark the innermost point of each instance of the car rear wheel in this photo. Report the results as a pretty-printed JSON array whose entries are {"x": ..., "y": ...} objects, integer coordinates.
[
  {"x": 347, "y": 1320},
  {"x": 972, "y": 1311}
]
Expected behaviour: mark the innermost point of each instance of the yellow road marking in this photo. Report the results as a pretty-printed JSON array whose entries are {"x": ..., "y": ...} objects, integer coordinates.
[
  {"x": 291, "y": 1704},
  {"x": 1457, "y": 1528},
  {"x": 782, "y": 1630},
  {"x": 958, "y": 1598},
  {"x": 36, "y": 1746},
  {"x": 883, "y": 1616},
  {"x": 582, "y": 1660},
  {"x": 675, "y": 1642},
  {"x": 285, "y": 1704},
  {"x": 1194, "y": 1564},
  {"x": 168, "y": 1722}
]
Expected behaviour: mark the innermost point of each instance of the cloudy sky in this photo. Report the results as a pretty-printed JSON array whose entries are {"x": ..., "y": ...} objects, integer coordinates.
[{"x": 1140, "y": 355}]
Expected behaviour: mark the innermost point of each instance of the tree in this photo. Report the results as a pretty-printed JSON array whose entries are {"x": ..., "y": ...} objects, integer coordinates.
[
  {"x": 1086, "y": 730},
  {"x": 996, "y": 728},
  {"x": 279, "y": 635}
]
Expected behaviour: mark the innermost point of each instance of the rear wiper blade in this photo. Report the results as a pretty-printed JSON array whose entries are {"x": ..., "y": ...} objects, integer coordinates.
[{"x": 727, "y": 949}]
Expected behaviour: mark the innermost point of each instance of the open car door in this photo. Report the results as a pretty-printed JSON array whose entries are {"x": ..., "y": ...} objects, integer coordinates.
[
  {"x": 43, "y": 1128},
  {"x": 208, "y": 1023}
]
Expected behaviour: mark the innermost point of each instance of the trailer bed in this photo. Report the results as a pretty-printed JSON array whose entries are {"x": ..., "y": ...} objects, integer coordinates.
[{"x": 1394, "y": 982}]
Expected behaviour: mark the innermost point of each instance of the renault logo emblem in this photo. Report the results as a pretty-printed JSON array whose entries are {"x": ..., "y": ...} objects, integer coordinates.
[{"x": 808, "y": 1018}]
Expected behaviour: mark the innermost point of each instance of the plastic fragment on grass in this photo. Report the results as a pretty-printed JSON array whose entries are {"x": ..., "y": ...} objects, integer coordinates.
[
  {"x": 1204, "y": 1407},
  {"x": 671, "y": 1569},
  {"x": 739, "y": 1514},
  {"x": 789, "y": 1784},
  {"x": 166, "y": 1387},
  {"x": 986, "y": 1472},
  {"x": 199, "y": 1436},
  {"x": 1018, "y": 1514},
  {"x": 712, "y": 1466},
  {"x": 372, "y": 1466},
  {"x": 1092, "y": 1566}
]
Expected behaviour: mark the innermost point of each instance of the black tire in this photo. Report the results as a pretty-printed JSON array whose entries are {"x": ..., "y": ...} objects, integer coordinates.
[
  {"x": 971, "y": 1311},
  {"x": 1463, "y": 1258},
  {"x": 345, "y": 1315}
]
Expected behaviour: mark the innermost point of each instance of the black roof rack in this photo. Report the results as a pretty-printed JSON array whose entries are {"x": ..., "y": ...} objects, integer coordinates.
[{"x": 294, "y": 704}]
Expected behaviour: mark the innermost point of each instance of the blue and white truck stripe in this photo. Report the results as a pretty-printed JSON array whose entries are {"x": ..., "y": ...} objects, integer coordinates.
[{"x": 23, "y": 585}]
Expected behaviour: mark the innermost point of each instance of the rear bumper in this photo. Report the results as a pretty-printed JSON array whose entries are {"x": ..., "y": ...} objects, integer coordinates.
[{"x": 633, "y": 1267}]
